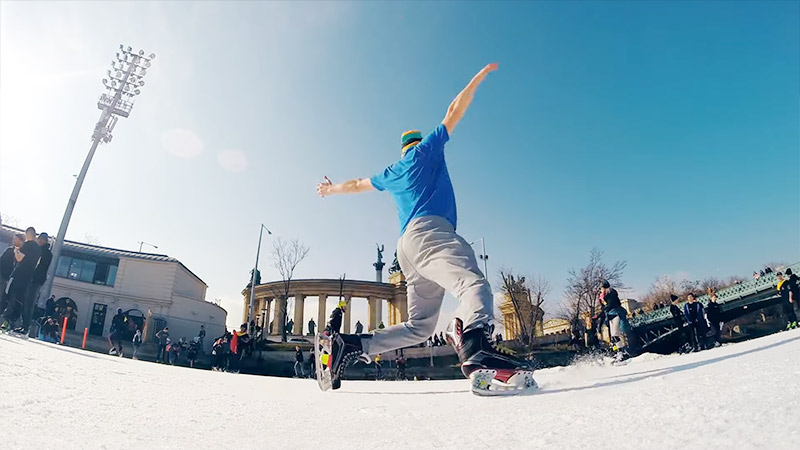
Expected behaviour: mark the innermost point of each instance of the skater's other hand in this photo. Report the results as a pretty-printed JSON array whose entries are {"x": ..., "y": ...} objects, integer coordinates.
[
  {"x": 324, "y": 188},
  {"x": 491, "y": 67}
]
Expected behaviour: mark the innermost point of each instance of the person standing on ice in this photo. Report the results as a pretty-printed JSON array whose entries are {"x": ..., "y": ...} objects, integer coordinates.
[
  {"x": 617, "y": 317},
  {"x": 695, "y": 317},
  {"x": 433, "y": 257}
]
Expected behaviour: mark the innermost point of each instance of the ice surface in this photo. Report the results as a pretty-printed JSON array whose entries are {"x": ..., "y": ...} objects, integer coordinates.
[{"x": 741, "y": 396}]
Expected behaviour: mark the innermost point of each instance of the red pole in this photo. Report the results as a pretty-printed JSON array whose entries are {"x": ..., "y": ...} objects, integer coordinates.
[
  {"x": 64, "y": 330},
  {"x": 85, "y": 332}
]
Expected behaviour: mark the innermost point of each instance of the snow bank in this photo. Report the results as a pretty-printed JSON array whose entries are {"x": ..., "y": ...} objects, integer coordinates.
[{"x": 739, "y": 396}]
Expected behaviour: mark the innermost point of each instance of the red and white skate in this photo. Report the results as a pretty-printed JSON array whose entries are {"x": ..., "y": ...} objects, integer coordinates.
[{"x": 499, "y": 382}]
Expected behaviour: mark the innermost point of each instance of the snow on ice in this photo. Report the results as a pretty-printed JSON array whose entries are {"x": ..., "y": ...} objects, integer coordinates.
[{"x": 740, "y": 396}]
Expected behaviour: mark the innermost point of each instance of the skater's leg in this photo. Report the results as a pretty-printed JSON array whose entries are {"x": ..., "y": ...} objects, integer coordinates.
[
  {"x": 424, "y": 302},
  {"x": 437, "y": 253},
  {"x": 30, "y": 301}
]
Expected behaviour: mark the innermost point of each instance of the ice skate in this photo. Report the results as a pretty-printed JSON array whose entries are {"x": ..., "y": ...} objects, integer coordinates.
[{"x": 491, "y": 371}]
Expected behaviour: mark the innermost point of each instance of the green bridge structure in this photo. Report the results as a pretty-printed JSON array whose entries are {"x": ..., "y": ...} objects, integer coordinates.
[{"x": 658, "y": 332}]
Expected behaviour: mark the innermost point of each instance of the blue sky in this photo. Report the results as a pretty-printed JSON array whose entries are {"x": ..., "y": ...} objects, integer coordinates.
[{"x": 664, "y": 133}]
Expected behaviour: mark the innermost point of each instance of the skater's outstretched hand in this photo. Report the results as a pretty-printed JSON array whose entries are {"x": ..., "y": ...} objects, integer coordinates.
[
  {"x": 348, "y": 187},
  {"x": 459, "y": 105}
]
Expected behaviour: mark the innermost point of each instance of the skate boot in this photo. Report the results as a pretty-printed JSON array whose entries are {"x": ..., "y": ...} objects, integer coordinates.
[
  {"x": 490, "y": 370},
  {"x": 336, "y": 352}
]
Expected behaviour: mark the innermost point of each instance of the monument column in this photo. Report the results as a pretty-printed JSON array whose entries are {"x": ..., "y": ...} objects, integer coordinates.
[
  {"x": 268, "y": 307},
  {"x": 299, "y": 305},
  {"x": 378, "y": 312},
  {"x": 323, "y": 300},
  {"x": 346, "y": 319},
  {"x": 371, "y": 322}
]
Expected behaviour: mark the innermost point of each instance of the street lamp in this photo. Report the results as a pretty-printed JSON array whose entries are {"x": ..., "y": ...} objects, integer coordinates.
[
  {"x": 122, "y": 83},
  {"x": 483, "y": 256},
  {"x": 142, "y": 243},
  {"x": 253, "y": 278}
]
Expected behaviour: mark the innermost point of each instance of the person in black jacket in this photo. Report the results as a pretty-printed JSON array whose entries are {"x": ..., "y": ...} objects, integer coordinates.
[
  {"x": 299, "y": 372},
  {"x": 7, "y": 264},
  {"x": 714, "y": 314},
  {"x": 696, "y": 319},
  {"x": 614, "y": 311},
  {"x": 39, "y": 277},
  {"x": 684, "y": 336},
  {"x": 794, "y": 287},
  {"x": 787, "y": 300},
  {"x": 27, "y": 257}
]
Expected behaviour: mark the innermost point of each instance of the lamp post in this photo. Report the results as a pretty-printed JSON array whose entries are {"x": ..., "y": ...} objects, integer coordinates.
[
  {"x": 253, "y": 278},
  {"x": 483, "y": 256},
  {"x": 143, "y": 242},
  {"x": 124, "y": 80}
]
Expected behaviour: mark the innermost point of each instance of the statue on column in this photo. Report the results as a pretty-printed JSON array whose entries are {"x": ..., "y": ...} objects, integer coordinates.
[
  {"x": 395, "y": 267},
  {"x": 289, "y": 326},
  {"x": 311, "y": 327},
  {"x": 380, "y": 253}
]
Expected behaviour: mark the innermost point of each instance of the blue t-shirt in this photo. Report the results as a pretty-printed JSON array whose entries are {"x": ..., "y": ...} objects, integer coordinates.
[{"x": 419, "y": 182}]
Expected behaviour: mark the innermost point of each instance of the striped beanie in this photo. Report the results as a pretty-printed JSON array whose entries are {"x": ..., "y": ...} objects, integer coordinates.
[{"x": 409, "y": 139}]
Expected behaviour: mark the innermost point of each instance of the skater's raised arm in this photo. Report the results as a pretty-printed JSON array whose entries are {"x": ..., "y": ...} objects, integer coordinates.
[
  {"x": 348, "y": 187},
  {"x": 459, "y": 105}
]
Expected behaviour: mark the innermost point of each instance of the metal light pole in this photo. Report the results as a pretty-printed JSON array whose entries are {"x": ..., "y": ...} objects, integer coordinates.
[
  {"x": 483, "y": 256},
  {"x": 253, "y": 278},
  {"x": 124, "y": 80},
  {"x": 143, "y": 242}
]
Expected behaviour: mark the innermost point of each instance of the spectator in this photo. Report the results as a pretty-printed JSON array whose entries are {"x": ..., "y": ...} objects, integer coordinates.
[
  {"x": 794, "y": 287},
  {"x": 137, "y": 342},
  {"x": 40, "y": 274},
  {"x": 298, "y": 363},
  {"x": 695, "y": 318},
  {"x": 163, "y": 340},
  {"x": 7, "y": 264},
  {"x": 359, "y": 327},
  {"x": 201, "y": 336},
  {"x": 381, "y": 325},
  {"x": 312, "y": 364},
  {"x": 27, "y": 256},
  {"x": 194, "y": 349},
  {"x": 787, "y": 300},
  {"x": 50, "y": 306},
  {"x": 218, "y": 351},
  {"x": 175, "y": 351},
  {"x": 118, "y": 326},
  {"x": 714, "y": 315},
  {"x": 755, "y": 275},
  {"x": 436, "y": 342},
  {"x": 769, "y": 270},
  {"x": 401, "y": 363},
  {"x": 677, "y": 320},
  {"x": 233, "y": 356},
  {"x": 49, "y": 330},
  {"x": 441, "y": 339},
  {"x": 378, "y": 368}
]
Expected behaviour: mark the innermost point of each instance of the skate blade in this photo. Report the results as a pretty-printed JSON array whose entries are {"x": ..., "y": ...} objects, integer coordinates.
[
  {"x": 322, "y": 351},
  {"x": 485, "y": 383}
]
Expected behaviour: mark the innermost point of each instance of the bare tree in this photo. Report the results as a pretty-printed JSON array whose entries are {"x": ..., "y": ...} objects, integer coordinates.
[
  {"x": 660, "y": 290},
  {"x": 285, "y": 257},
  {"x": 583, "y": 286},
  {"x": 526, "y": 297},
  {"x": 91, "y": 239}
]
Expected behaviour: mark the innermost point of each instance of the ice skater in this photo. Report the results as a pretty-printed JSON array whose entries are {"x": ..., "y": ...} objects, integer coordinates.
[{"x": 434, "y": 258}]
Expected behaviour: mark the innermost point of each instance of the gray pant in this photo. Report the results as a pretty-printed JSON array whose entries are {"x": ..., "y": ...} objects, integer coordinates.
[{"x": 434, "y": 259}]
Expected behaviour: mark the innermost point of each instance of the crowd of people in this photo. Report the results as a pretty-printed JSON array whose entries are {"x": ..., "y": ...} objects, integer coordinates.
[{"x": 23, "y": 272}]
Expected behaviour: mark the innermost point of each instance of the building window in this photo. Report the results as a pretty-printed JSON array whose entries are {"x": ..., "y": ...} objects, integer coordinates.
[{"x": 87, "y": 271}]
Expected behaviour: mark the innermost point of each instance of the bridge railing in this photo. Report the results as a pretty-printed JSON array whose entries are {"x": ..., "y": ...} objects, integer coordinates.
[{"x": 728, "y": 294}]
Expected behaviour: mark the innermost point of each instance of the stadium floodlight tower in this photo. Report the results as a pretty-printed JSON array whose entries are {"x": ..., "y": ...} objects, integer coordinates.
[{"x": 125, "y": 79}]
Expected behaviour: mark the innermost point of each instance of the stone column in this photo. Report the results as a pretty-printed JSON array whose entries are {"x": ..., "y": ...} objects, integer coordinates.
[
  {"x": 268, "y": 302},
  {"x": 246, "y": 308},
  {"x": 378, "y": 312},
  {"x": 392, "y": 311},
  {"x": 346, "y": 319},
  {"x": 299, "y": 305},
  {"x": 321, "y": 319},
  {"x": 371, "y": 322}
]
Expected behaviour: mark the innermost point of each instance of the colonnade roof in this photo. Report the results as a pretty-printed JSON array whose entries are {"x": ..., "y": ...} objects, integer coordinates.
[{"x": 330, "y": 287}]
